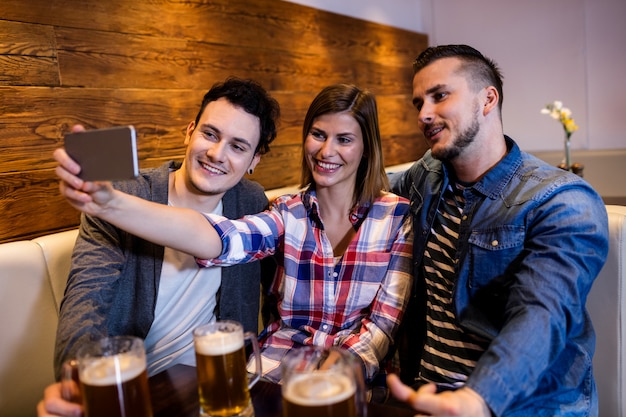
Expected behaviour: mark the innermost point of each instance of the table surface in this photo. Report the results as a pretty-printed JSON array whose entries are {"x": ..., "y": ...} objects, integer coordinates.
[{"x": 174, "y": 393}]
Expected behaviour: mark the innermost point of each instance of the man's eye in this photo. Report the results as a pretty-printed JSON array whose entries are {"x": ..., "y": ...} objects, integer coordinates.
[
  {"x": 440, "y": 96},
  {"x": 209, "y": 135}
]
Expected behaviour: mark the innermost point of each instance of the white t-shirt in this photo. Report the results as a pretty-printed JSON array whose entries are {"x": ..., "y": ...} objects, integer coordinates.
[{"x": 186, "y": 300}]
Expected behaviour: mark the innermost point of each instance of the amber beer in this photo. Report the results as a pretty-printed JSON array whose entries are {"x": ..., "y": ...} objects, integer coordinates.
[
  {"x": 223, "y": 385},
  {"x": 104, "y": 396},
  {"x": 113, "y": 378},
  {"x": 319, "y": 394}
]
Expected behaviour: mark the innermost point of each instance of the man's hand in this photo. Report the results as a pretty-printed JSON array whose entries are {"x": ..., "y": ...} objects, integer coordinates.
[
  {"x": 463, "y": 402},
  {"x": 54, "y": 405}
]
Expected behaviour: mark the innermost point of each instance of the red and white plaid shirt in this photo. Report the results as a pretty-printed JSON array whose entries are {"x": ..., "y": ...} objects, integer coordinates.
[{"x": 355, "y": 302}]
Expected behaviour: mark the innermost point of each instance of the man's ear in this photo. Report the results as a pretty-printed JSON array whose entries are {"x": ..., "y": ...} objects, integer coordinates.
[
  {"x": 255, "y": 160},
  {"x": 190, "y": 128},
  {"x": 491, "y": 100}
]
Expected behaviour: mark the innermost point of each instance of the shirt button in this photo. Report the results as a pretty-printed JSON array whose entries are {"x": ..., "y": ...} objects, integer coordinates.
[
  {"x": 464, "y": 217},
  {"x": 335, "y": 275},
  {"x": 494, "y": 243},
  {"x": 325, "y": 326}
]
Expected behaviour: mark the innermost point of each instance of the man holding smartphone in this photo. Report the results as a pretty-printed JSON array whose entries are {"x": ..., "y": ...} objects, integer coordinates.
[{"x": 120, "y": 284}]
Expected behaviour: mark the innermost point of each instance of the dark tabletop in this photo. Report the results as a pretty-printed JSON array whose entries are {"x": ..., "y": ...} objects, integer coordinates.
[{"x": 174, "y": 393}]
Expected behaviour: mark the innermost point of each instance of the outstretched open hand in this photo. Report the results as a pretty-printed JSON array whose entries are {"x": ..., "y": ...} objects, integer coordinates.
[{"x": 463, "y": 402}]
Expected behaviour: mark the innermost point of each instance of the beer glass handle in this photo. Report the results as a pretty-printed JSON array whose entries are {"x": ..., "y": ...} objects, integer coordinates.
[
  {"x": 70, "y": 388},
  {"x": 256, "y": 351}
]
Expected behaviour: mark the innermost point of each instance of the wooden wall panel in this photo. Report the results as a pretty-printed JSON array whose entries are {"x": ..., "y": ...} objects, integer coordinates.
[
  {"x": 27, "y": 55},
  {"x": 148, "y": 63}
]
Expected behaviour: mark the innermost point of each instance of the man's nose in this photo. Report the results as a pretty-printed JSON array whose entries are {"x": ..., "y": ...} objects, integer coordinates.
[
  {"x": 216, "y": 151},
  {"x": 426, "y": 114}
]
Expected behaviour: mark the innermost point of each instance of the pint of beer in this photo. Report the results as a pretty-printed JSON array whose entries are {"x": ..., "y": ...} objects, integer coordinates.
[
  {"x": 113, "y": 378},
  {"x": 223, "y": 383},
  {"x": 320, "y": 382}
]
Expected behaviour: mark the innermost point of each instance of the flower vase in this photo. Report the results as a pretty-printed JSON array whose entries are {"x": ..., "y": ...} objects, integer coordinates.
[{"x": 568, "y": 161}]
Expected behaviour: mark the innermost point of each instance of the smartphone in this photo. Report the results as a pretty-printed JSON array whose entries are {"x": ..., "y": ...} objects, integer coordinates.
[{"x": 104, "y": 154}]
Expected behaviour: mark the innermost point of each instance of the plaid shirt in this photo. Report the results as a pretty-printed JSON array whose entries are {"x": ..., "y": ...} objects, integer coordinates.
[{"x": 355, "y": 302}]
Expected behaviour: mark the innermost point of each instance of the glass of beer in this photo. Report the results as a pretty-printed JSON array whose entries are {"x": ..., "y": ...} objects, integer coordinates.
[
  {"x": 113, "y": 378},
  {"x": 322, "y": 382},
  {"x": 223, "y": 382}
]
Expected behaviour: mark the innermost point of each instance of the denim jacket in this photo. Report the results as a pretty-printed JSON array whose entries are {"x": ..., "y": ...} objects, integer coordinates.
[{"x": 532, "y": 240}]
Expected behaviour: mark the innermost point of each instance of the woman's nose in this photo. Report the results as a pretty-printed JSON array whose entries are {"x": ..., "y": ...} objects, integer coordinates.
[{"x": 328, "y": 148}]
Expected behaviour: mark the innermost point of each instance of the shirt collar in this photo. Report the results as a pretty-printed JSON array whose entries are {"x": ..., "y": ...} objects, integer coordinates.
[
  {"x": 311, "y": 204},
  {"x": 494, "y": 181}
]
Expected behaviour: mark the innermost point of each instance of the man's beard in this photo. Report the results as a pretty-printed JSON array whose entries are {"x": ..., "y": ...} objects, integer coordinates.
[{"x": 462, "y": 141}]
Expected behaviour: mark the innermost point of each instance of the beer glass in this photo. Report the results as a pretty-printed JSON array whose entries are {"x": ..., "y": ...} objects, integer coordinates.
[
  {"x": 322, "y": 382},
  {"x": 113, "y": 378},
  {"x": 223, "y": 382}
]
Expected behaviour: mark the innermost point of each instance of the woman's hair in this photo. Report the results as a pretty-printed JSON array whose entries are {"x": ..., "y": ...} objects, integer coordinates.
[{"x": 371, "y": 178}]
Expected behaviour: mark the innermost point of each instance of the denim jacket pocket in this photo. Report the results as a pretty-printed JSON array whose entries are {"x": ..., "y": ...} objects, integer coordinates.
[{"x": 492, "y": 252}]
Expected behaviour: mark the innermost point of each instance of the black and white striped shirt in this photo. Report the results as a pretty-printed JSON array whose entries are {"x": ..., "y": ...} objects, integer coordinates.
[{"x": 450, "y": 353}]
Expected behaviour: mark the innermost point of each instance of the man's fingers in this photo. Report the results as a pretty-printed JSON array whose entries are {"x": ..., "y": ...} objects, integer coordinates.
[{"x": 398, "y": 389}]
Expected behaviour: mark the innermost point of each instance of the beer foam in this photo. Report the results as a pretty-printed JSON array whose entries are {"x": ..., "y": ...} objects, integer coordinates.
[
  {"x": 218, "y": 343},
  {"x": 318, "y": 388},
  {"x": 102, "y": 371}
]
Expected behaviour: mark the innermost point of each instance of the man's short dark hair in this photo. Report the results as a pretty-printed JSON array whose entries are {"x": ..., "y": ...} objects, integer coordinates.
[
  {"x": 481, "y": 70},
  {"x": 253, "y": 99}
]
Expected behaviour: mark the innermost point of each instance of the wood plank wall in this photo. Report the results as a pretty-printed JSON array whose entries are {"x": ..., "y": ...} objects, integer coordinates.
[{"x": 148, "y": 63}]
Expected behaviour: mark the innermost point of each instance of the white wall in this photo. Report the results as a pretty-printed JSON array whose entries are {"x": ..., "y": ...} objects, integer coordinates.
[
  {"x": 405, "y": 14},
  {"x": 570, "y": 50}
]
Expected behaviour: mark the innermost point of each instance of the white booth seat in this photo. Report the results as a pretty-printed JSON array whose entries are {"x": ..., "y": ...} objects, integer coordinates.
[
  {"x": 33, "y": 274},
  {"x": 607, "y": 306},
  {"x": 28, "y": 319}
]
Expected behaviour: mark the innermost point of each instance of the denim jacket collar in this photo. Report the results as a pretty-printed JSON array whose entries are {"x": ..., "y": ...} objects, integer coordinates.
[{"x": 496, "y": 179}]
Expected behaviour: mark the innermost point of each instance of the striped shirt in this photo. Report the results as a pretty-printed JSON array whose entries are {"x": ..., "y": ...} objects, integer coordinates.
[
  {"x": 355, "y": 302},
  {"x": 450, "y": 353}
]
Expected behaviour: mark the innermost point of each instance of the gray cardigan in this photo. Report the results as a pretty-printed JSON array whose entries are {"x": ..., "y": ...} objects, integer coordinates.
[{"x": 114, "y": 277}]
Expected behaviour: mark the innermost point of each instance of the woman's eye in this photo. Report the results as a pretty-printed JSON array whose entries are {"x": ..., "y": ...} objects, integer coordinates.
[
  {"x": 317, "y": 134},
  {"x": 344, "y": 139}
]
